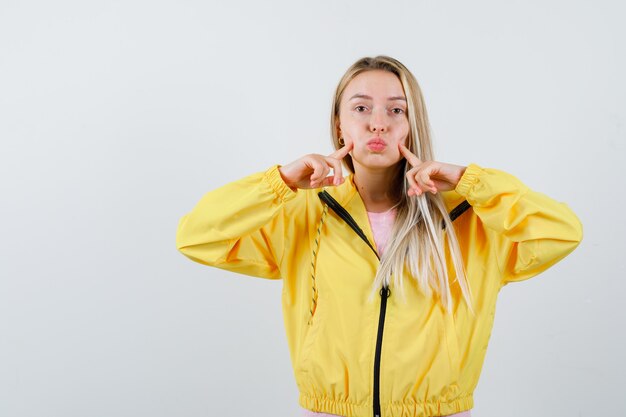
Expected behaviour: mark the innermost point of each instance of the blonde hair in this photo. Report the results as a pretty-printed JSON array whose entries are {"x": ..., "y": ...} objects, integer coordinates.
[{"x": 417, "y": 238}]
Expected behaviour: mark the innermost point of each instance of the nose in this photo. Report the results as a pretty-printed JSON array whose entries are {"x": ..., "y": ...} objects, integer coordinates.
[{"x": 378, "y": 122}]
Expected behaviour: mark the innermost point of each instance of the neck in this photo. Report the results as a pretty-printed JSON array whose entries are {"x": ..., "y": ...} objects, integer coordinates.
[{"x": 377, "y": 188}]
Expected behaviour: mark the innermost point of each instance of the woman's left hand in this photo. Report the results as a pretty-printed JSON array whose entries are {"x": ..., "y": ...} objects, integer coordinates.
[{"x": 430, "y": 176}]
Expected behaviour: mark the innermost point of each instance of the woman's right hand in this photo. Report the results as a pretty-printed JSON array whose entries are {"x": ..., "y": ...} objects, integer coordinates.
[{"x": 311, "y": 171}]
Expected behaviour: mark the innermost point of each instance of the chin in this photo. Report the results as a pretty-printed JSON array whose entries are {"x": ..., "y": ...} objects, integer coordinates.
[{"x": 376, "y": 161}]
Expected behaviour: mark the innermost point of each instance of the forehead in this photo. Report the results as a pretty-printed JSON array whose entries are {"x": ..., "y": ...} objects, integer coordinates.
[{"x": 374, "y": 83}]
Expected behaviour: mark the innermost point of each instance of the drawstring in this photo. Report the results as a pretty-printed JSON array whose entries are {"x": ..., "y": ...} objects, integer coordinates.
[{"x": 313, "y": 263}]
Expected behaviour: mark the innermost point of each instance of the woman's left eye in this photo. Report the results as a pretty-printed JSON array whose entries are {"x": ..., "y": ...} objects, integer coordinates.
[{"x": 397, "y": 110}]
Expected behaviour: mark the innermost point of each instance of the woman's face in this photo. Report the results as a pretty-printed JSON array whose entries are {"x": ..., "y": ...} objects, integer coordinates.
[{"x": 372, "y": 116}]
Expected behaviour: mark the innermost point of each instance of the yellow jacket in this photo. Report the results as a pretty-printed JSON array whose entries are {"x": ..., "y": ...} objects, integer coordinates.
[{"x": 351, "y": 356}]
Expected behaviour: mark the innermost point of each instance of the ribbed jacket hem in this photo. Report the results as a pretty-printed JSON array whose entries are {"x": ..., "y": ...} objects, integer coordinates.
[{"x": 395, "y": 409}]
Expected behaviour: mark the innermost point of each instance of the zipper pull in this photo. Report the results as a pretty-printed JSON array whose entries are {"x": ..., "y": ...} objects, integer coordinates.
[{"x": 385, "y": 292}]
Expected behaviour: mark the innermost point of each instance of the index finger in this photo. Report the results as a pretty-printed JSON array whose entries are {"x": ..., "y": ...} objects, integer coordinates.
[
  {"x": 411, "y": 157},
  {"x": 342, "y": 152}
]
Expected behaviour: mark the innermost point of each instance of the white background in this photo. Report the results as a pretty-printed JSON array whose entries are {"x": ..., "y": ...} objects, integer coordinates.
[{"x": 117, "y": 116}]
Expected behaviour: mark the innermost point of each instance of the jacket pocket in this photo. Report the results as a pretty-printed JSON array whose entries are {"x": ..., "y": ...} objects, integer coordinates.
[{"x": 310, "y": 337}]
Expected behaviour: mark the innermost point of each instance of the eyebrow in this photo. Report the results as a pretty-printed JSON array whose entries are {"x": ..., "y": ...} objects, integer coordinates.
[{"x": 358, "y": 95}]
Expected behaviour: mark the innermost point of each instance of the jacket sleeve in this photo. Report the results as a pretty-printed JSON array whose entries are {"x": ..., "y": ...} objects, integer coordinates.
[
  {"x": 532, "y": 231},
  {"x": 239, "y": 226}
]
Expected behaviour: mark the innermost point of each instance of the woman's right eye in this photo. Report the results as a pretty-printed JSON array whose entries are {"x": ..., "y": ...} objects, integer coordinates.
[{"x": 358, "y": 109}]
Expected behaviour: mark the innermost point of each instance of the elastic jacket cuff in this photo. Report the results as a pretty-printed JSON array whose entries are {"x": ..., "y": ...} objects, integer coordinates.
[
  {"x": 468, "y": 180},
  {"x": 275, "y": 180}
]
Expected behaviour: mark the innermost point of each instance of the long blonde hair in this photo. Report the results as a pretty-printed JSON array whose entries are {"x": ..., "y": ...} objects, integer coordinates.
[{"x": 417, "y": 238}]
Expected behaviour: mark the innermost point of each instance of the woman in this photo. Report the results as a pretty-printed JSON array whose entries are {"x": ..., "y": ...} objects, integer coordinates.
[{"x": 390, "y": 275}]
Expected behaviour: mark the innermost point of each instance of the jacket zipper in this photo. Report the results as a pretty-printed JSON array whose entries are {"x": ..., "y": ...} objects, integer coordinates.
[{"x": 385, "y": 292}]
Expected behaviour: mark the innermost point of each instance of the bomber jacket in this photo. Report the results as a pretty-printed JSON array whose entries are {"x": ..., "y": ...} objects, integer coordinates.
[{"x": 358, "y": 358}]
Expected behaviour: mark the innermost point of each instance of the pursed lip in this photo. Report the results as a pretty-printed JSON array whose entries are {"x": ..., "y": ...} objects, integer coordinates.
[{"x": 376, "y": 141}]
